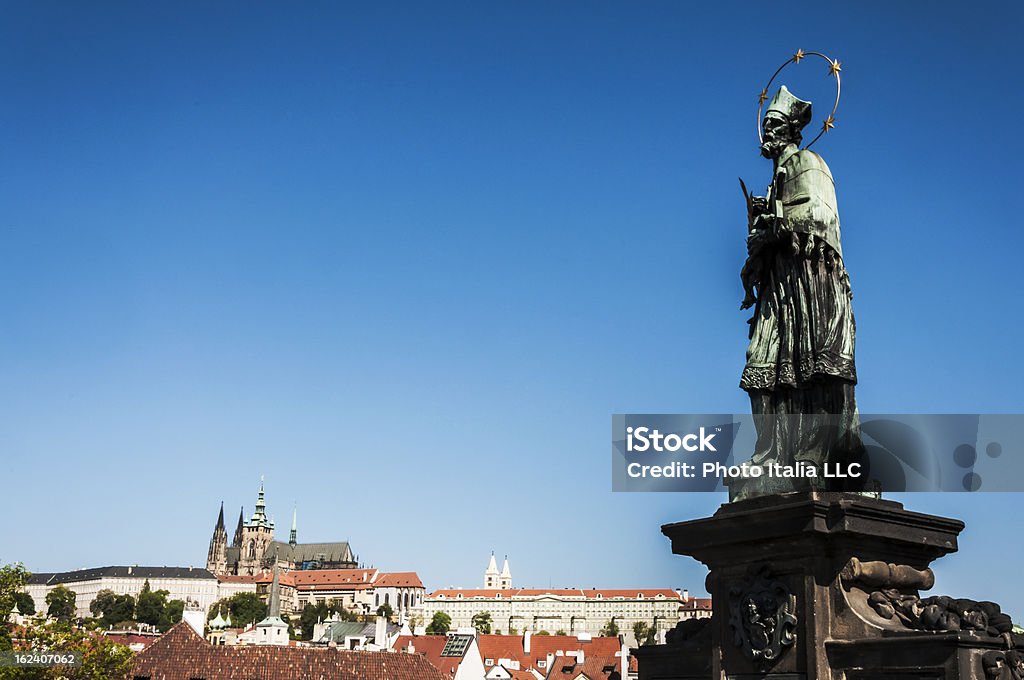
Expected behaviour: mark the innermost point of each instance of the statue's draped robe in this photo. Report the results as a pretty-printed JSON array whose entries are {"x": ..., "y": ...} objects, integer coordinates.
[{"x": 800, "y": 362}]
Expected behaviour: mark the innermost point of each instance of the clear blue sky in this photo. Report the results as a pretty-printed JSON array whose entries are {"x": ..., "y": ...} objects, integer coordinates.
[{"x": 406, "y": 259}]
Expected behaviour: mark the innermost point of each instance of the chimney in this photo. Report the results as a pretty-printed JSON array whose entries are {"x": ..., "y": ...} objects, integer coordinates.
[
  {"x": 686, "y": 595},
  {"x": 526, "y": 641},
  {"x": 380, "y": 632}
]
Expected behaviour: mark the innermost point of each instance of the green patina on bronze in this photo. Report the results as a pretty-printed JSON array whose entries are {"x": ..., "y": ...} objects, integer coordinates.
[{"x": 800, "y": 371}]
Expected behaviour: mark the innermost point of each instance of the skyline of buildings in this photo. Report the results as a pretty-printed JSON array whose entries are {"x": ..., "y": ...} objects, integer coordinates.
[{"x": 304, "y": 574}]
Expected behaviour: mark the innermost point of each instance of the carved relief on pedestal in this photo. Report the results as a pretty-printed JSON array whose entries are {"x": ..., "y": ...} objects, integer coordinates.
[{"x": 761, "y": 615}]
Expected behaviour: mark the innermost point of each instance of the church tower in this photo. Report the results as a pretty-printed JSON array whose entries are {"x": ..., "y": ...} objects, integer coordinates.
[
  {"x": 293, "y": 535},
  {"x": 505, "y": 580},
  {"x": 217, "y": 557},
  {"x": 491, "y": 574},
  {"x": 236, "y": 542},
  {"x": 257, "y": 535}
]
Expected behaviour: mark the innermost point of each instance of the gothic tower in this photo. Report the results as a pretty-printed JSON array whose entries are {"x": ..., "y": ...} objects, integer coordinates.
[
  {"x": 491, "y": 573},
  {"x": 257, "y": 535},
  {"x": 236, "y": 542},
  {"x": 505, "y": 580},
  {"x": 217, "y": 557}
]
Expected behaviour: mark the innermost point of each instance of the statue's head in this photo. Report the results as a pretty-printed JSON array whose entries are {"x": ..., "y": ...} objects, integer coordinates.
[{"x": 784, "y": 120}]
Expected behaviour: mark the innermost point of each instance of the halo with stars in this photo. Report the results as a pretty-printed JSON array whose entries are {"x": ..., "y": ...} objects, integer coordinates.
[{"x": 834, "y": 67}]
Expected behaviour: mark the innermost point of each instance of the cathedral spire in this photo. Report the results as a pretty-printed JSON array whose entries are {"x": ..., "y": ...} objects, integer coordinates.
[
  {"x": 259, "y": 517},
  {"x": 216, "y": 557},
  {"x": 293, "y": 534},
  {"x": 237, "y": 540}
]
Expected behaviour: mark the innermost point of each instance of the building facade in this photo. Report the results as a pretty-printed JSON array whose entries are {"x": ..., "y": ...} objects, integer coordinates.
[
  {"x": 565, "y": 611},
  {"x": 188, "y": 584},
  {"x": 361, "y": 591}
]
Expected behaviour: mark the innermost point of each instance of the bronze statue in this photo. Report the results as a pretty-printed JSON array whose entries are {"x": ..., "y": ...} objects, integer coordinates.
[{"x": 800, "y": 371}]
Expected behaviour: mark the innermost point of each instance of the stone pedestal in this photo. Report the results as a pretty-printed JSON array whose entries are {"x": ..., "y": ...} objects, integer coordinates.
[{"x": 795, "y": 582}]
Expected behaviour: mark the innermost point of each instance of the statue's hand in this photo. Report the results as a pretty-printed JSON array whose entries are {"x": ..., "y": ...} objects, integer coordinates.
[{"x": 758, "y": 239}]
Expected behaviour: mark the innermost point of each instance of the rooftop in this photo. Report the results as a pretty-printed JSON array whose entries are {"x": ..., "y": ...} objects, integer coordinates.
[{"x": 182, "y": 655}]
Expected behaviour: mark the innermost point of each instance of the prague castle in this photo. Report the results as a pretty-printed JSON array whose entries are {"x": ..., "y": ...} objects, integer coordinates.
[{"x": 253, "y": 549}]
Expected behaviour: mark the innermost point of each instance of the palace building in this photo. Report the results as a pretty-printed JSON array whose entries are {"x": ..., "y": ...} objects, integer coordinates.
[{"x": 253, "y": 548}]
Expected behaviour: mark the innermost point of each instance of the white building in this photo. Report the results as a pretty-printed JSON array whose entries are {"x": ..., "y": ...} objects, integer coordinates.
[
  {"x": 565, "y": 611},
  {"x": 181, "y": 583}
]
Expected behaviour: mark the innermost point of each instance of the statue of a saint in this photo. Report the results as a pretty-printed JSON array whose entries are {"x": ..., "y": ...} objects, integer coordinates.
[{"x": 800, "y": 371}]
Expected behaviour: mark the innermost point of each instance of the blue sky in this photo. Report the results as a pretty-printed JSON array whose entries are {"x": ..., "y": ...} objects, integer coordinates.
[{"x": 406, "y": 259}]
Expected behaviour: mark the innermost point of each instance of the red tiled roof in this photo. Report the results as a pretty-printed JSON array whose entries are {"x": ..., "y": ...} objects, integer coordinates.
[
  {"x": 566, "y": 668},
  {"x": 511, "y": 647},
  {"x": 430, "y": 647},
  {"x": 344, "y": 579},
  {"x": 129, "y": 639},
  {"x": 181, "y": 654},
  {"x": 399, "y": 579},
  {"x": 520, "y": 674},
  {"x": 697, "y": 603},
  {"x": 286, "y": 578}
]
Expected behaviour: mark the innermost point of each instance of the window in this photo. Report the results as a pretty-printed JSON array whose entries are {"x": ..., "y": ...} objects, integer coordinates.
[{"x": 488, "y": 662}]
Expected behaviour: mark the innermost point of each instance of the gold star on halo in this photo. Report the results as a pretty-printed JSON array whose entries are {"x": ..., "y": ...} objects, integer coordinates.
[
  {"x": 763, "y": 97},
  {"x": 829, "y": 123},
  {"x": 834, "y": 67},
  {"x": 798, "y": 56}
]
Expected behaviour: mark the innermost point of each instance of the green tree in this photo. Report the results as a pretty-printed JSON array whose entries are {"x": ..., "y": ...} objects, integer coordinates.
[
  {"x": 122, "y": 610},
  {"x": 542, "y": 632},
  {"x": 560, "y": 632},
  {"x": 336, "y": 607},
  {"x": 385, "y": 610},
  {"x": 440, "y": 624},
  {"x": 60, "y": 604},
  {"x": 173, "y": 611},
  {"x": 13, "y": 578},
  {"x": 311, "y": 614},
  {"x": 150, "y": 605},
  {"x": 482, "y": 623},
  {"x": 26, "y": 605},
  {"x": 102, "y": 603},
  {"x": 611, "y": 629},
  {"x": 101, "y": 659},
  {"x": 640, "y": 632},
  {"x": 244, "y": 608}
]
